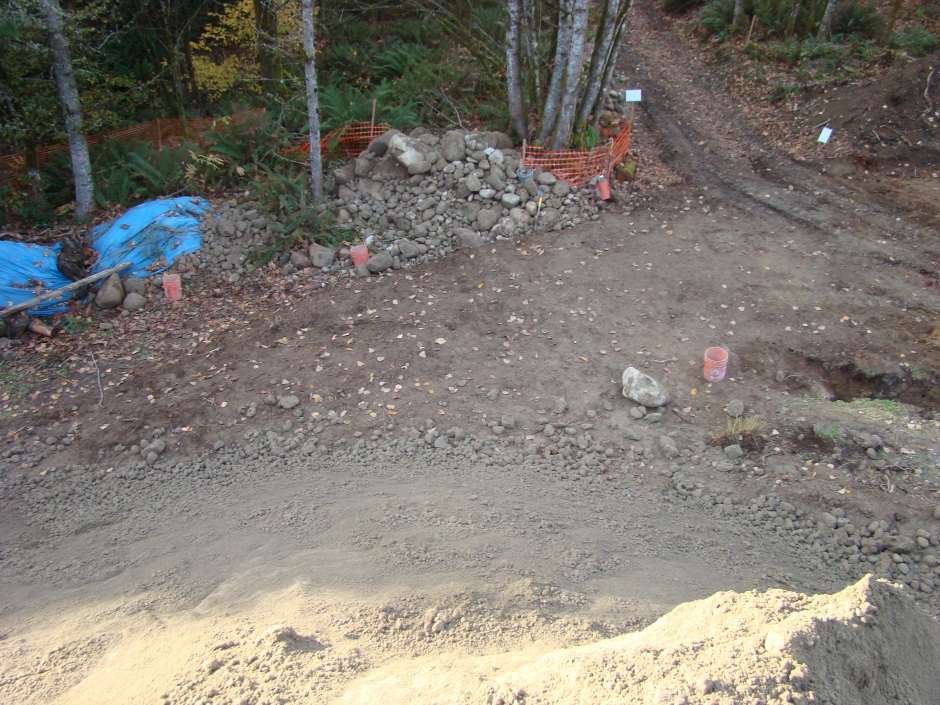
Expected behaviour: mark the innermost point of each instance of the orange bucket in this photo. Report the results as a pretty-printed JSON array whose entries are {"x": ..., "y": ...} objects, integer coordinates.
[
  {"x": 360, "y": 254},
  {"x": 716, "y": 364},
  {"x": 172, "y": 287},
  {"x": 602, "y": 189}
]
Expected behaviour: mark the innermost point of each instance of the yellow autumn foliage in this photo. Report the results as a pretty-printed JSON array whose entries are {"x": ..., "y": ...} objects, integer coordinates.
[{"x": 225, "y": 55}]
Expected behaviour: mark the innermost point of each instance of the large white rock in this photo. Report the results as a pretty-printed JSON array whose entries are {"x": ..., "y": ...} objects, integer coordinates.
[{"x": 643, "y": 389}]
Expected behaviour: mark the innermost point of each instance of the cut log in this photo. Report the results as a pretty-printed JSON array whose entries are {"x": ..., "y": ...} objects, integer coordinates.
[
  {"x": 48, "y": 296},
  {"x": 42, "y": 329}
]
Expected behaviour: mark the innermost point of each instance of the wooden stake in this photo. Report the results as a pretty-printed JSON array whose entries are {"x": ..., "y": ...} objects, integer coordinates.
[
  {"x": 753, "y": 22},
  {"x": 48, "y": 296}
]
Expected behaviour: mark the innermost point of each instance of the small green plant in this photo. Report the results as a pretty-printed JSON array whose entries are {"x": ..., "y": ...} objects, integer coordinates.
[
  {"x": 919, "y": 376},
  {"x": 831, "y": 433},
  {"x": 75, "y": 324},
  {"x": 782, "y": 91},
  {"x": 585, "y": 138},
  {"x": 880, "y": 409}
]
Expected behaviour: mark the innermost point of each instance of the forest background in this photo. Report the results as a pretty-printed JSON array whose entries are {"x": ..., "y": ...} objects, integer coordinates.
[{"x": 538, "y": 69}]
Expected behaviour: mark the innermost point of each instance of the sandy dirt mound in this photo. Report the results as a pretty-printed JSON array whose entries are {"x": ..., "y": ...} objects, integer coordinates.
[{"x": 866, "y": 644}]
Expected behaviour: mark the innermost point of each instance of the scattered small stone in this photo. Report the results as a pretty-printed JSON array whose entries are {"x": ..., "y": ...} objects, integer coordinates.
[
  {"x": 734, "y": 451},
  {"x": 288, "y": 402}
]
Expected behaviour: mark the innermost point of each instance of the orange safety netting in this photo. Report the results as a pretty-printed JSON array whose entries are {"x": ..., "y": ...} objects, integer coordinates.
[
  {"x": 578, "y": 168},
  {"x": 348, "y": 141},
  {"x": 156, "y": 132}
]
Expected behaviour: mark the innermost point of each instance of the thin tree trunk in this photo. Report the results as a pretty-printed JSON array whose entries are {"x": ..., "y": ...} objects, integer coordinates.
[
  {"x": 791, "y": 20},
  {"x": 892, "y": 21},
  {"x": 738, "y": 21},
  {"x": 532, "y": 15},
  {"x": 611, "y": 62},
  {"x": 825, "y": 25},
  {"x": 269, "y": 62},
  {"x": 517, "y": 112},
  {"x": 600, "y": 59},
  {"x": 71, "y": 106},
  {"x": 313, "y": 118},
  {"x": 31, "y": 157},
  {"x": 572, "y": 76},
  {"x": 552, "y": 104}
]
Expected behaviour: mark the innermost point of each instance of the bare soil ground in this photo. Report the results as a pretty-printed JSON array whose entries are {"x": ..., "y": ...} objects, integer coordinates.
[{"x": 249, "y": 565}]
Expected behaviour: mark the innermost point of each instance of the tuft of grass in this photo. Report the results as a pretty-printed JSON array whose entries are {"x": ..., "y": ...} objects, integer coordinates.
[
  {"x": 879, "y": 409},
  {"x": 830, "y": 432},
  {"x": 746, "y": 431}
]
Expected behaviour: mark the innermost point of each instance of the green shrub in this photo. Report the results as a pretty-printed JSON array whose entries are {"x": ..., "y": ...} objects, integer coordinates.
[
  {"x": 419, "y": 31},
  {"x": 916, "y": 40},
  {"x": 680, "y": 7},
  {"x": 285, "y": 193},
  {"x": 781, "y": 91},
  {"x": 716, "y": 18},
  {"x": 857, "y": 19},
  {"x": 398, "y": 59}
]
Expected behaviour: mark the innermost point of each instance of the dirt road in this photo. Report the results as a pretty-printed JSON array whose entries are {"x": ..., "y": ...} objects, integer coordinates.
[{"x": 440, "y": 464}]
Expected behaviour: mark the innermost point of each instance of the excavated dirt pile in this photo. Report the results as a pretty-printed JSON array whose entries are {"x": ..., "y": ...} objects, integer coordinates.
[
  {"x": 867, "y": 644},
  {"x": 897, "y": 115}
]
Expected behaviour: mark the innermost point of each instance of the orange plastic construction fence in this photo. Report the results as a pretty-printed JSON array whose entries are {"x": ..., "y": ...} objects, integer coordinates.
[
  {"x": 348, "y": 141},
  {"x": 156, "y": 132},
  {"x": 578, "y": 168}
]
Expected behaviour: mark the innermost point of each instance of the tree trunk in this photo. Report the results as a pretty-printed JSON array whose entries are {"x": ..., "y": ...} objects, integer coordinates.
[
  {"x": 825, "y": 25},
  {"x": 605, "y": 49},
  {"x": 31, "y": 157},
  {"x": 269, "y": 61},
  {"x": 892, "y": 21},
  {"x": 532, "y": 14},
  {"x": 517, "y": 112},
  {"x": 738, "y": 21},
  {"x": 611, "y": 61},
  {"x": 71, "y": 107},
  {"x": 572, "y": 75},
  {"x": 552, "y": 105},
  {"x": 313, "y": 118},
  {"x": 791, "y": 20}
]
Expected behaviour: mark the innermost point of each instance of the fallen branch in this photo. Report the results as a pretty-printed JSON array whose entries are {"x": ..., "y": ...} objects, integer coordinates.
[
  {"x": 48, "y": 296},
  {"x": 100, "y": 388},
  {"x": 929, "y": 102},
  {"x": 898, "y": 132}
]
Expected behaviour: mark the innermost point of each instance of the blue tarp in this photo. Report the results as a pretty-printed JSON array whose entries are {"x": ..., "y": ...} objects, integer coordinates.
[{"x": 164, "y": 229}]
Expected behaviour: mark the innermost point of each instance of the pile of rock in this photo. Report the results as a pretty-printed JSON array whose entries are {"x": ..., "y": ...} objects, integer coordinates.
[
  {"x": 411, "y": 198},
  {"x": 419, "y": 196}
]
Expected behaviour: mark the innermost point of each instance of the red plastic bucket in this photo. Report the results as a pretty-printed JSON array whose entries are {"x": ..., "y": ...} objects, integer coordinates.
[
  {"x": 716, "y": 364},
  {"x": 602, "y": 189},
  {"x": 172, "y": 287},
  {"x": 359, "y": 254}
]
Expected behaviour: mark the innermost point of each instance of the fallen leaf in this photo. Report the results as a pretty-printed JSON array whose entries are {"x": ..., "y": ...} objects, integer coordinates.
[
  {"x": 440, "y": 341},
  {"x": 693, "y": 392}
]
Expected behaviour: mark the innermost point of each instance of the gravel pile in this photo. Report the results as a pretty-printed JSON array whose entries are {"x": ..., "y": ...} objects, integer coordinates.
[{"x": 412, "y": 199}]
